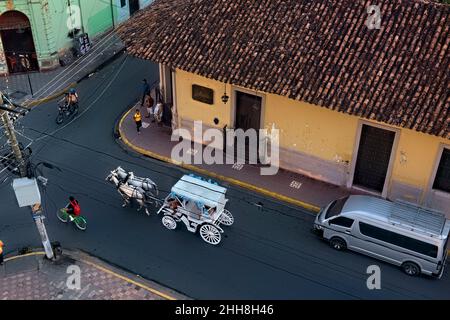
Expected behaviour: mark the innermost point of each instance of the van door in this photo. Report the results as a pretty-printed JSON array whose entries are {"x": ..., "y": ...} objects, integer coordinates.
[
  {"x": 369, "y": 242},
  {"x": 363, "y": 244},
  {"x": 341, "y": 227}
]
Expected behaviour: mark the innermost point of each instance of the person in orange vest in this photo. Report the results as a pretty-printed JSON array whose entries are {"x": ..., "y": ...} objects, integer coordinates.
[
  {"x": 1, "y": 252},
  {"x": 138, "y": 120}
]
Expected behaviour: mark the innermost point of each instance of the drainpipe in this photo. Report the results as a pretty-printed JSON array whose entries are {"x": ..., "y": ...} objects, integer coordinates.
[
  {"x": 112, "y": 14},
  {"x": 81, "y": 17},
  {"x": 69, "y": 5},
  {"x": 175, "y": 118}
]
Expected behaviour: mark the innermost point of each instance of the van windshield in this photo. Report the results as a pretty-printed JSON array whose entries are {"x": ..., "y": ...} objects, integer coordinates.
[{"x": 336, "y": 207}]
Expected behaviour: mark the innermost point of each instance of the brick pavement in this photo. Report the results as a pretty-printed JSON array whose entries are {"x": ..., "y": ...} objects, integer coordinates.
[{"x": 35, "y": 278}]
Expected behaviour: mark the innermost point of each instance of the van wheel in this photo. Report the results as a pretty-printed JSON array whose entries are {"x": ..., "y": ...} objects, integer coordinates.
[
  {"x": 411, "y": 269},
  {"x": 338, "y": 244}
]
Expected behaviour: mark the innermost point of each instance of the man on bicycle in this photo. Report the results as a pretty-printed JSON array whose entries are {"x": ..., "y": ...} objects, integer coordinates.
[
  {"x": 72, "y": 98},
  {"x": 73, "y": 207}
]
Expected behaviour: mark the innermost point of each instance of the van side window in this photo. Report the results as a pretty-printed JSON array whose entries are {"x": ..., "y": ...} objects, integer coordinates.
[
  {"x": 398, "y": 240},
  {"x": 342, "y": 221}
]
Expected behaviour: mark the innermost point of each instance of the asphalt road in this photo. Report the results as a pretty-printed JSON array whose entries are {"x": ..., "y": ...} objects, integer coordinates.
[{"x": 269, "y": 253}]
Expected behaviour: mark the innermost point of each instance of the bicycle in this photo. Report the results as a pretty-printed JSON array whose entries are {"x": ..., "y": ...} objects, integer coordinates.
[
  {"x": 66, "y": 110},
  {"x": 79, "y": 221}
]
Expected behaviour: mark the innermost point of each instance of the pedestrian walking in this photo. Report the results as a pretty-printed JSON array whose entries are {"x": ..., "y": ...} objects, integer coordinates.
[
  {"x": 138, "y": 120},
  {"x": 1, "y": 252},
  {"x": 145, "y": 91}
]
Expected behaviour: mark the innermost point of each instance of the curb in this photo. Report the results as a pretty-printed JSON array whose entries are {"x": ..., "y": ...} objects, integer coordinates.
[
  {"x": 37, "y": 253},
  {"x": 101, "y": 268},
  {"x": 190, "y": 167},
  {"x": 34, "y": 103}
]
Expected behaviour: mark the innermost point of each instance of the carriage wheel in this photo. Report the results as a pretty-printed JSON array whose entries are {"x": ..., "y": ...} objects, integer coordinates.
[
  {"x": 226, "y": 218},
  {"x": 169, "y": 222},
  {"x": 210, "y": 234}
]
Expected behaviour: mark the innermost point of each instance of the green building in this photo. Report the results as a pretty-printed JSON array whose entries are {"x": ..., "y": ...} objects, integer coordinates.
[{"x": 36, "y": 35}]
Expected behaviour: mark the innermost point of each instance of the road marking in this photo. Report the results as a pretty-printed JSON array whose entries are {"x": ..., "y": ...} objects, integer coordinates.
[
  {"x": 295, "y": 184},
  {"x": 238, "y": 166},
  {"x": 239, "y": 183}
]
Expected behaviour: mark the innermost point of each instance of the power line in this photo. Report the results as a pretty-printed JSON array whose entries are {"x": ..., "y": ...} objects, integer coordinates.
[
  {"x": 92, "y": 103},
  {"x": 94, "y": 92},
  {"x": 164, "y": 173},
  {"x": 77, "y": 63}
]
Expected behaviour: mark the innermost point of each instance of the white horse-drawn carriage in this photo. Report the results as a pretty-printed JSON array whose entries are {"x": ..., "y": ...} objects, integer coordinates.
[
  {"x": 197, "y": 203},
  {"x": 200, "y": 205}
]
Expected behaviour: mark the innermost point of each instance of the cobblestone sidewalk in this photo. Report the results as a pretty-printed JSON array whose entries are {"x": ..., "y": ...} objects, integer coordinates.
[{"x": 34, "y": 278}]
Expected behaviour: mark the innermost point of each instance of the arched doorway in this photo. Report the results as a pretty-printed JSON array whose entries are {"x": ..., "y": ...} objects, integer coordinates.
[{"x": 18, "y": 43}]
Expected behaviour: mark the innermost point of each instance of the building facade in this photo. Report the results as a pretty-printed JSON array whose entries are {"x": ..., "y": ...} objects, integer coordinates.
[
  {"x": 37, "y": 35},
  {"x": 358, "y": 107},
  {"x": 344, "y": 150}
]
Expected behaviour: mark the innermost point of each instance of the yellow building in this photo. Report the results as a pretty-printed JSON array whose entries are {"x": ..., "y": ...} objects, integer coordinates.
[{"x": 356, "y": 106}]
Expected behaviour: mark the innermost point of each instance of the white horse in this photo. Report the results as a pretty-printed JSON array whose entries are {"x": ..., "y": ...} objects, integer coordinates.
[
  {"x": 129, "y": 192},
  {"x": 146, "y": 184}
]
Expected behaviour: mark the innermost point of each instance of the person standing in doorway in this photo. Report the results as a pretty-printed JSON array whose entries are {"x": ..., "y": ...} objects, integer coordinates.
[
  {"x": 1, "y": 252},
  {"x": 145, "y": 91},
  {"x": 138, "y": 120},
  {"x": 149, "y": 105}
]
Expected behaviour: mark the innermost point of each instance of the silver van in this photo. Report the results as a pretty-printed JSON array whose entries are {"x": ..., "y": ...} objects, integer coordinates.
[{"x": 403, "y": 234}]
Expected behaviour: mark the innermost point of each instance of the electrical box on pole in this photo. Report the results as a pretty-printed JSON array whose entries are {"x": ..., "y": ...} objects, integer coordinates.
[
  {"x": 28, "y": 195},
  {"x": 27, "y": 192}
]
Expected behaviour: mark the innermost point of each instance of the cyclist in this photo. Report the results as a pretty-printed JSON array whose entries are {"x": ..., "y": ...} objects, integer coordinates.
[
  {"x": 73, "y": 207},
  {"x": 72, "y": 98}
]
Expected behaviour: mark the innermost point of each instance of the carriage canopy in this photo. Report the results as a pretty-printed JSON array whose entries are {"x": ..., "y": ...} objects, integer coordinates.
[{"x": 201, "y": 191}]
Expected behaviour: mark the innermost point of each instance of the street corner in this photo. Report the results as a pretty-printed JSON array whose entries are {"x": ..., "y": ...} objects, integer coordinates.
[
  {"x": 156, "y": 142},
  {"x": 74, "y": 276}
]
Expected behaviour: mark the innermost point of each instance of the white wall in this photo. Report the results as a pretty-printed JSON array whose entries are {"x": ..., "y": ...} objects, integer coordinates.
[
  {"x": 124, "y": 13},
  {"x": 144, "y": 3}
]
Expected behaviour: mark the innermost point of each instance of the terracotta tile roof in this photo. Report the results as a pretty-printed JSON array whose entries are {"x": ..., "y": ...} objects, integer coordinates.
[{"x": 317, "y": 51}]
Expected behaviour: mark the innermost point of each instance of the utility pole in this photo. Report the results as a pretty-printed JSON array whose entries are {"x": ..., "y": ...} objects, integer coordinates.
[
  {"x": 10, "y": 134},
  {"x": 37, "y": 208}
]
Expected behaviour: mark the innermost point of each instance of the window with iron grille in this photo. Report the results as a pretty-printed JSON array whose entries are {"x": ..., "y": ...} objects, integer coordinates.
[{"x": 442, "y": 180}]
